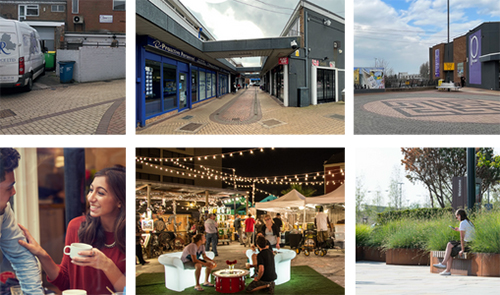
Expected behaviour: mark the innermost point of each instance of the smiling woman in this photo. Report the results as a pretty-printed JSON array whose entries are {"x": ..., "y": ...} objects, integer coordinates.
[{"x": 103, "y": 228}]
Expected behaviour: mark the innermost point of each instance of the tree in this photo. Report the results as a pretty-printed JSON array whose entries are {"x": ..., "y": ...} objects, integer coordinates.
[
  {"x": 360, "y": 199},
  {"x": 306, "y": 191},
  {"x": 382, "y": 63},
  {"x": 395, "y": 191},
  {"x": 436, "y": 167},
  {"x": 424, "y": 70}
]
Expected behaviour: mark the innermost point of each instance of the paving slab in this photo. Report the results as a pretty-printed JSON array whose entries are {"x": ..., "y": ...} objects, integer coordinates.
[
  {"x": 379, "y": 278},
  {"x": 325, "y": 118},
  {"x": 469, "y": 111},
  {"x": 54, "y": 108}
]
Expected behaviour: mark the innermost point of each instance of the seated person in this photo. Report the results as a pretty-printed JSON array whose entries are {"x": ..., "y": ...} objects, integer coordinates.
[
  {"x": 190, "y": 258},
  {"x": 266, "y": 267}
]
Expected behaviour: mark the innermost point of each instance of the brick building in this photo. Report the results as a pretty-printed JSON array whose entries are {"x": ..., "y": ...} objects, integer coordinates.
[
  {"x": 95, "y": 16},
  {"x": 334, "y": 172},
  {"x": 474, "y": 56}
]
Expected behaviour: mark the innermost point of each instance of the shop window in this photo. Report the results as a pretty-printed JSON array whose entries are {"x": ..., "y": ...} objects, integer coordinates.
[
  {"x": 169, "y": 87},
  {"x": 194, "y": 85},
  {"x": 153, "y": 87},
  {"x": 209, "y": 84},
  {"x": 214, "y": 84},
  {"x": 202, "y": 86}
]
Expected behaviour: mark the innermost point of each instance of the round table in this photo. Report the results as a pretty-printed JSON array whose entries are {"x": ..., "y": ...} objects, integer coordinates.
[{"x": 230, "y": 280}]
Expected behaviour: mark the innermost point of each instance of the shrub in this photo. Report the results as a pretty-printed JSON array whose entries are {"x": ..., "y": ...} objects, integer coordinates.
[
  {"x": 363, "y": 233},
  {"x": 409, "y": 234},
  {"x": 440, "y": 233},
  {"x": 487, "y": 239},
  {"x": 419, "y": 214}
]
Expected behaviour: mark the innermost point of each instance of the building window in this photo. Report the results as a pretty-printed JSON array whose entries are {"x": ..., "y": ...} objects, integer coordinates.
[
  {"x": 119, "y": 5},
  {"x": 27, "y": 10},
  {"x": 75, "y": 6},
  {"x": 57, "y": 8}
]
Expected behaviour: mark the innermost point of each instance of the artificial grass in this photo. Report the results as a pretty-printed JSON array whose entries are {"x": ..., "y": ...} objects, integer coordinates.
[{"x": 304, "y": 280}]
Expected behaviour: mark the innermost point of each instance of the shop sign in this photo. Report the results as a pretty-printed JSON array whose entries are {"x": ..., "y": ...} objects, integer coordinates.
[
  {"x": 283, "y": 61},
  {"x": 474, "y": 54},
  {"x": 106, "y": 19},
  {"x": 449, "y": 66},
  {"x": 164, "y": 47},
  {"x": 315, "y": 62}
]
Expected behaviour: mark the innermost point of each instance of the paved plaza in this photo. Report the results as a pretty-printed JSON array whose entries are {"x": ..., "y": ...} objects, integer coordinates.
[
  {"x": 468, "y": 111},
  {"x": 379, "y": 278},
  {"x": 331, "y": 265},
  {"x": 251, "y": 111},
  {"x": 54, "y": 108}
]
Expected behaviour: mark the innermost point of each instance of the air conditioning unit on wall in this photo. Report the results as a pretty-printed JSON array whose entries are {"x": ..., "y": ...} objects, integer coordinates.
[{"x": 78, "y": 19}]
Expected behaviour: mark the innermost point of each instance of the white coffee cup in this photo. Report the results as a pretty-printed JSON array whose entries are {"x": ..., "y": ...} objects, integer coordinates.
[
  {"x": 74, "y": 291},
  {"x": 75, "y": 248}
]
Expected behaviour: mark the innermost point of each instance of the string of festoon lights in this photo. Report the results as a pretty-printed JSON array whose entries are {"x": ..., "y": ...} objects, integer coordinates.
[{"x": 310, "y": 178}]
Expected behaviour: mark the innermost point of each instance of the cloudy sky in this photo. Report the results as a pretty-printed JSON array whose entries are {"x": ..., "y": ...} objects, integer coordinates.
[
  {"x": 376, "y": 165},
  {"x": 401, "y": 31},
  {"x": 249, "y": 19}
]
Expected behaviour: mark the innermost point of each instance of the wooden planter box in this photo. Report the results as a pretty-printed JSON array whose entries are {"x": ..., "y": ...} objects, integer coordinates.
[
  {"x": 486, "y": 265},
  {"x": 373, "y": 254},
  {"x": 407, "y": 257},
  {"x": 359, "y": 253},
  {"x": 477, "y": 264}
]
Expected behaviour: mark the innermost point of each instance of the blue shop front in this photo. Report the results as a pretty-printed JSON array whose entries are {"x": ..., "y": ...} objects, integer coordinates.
[{"x": 169, "y": 80}]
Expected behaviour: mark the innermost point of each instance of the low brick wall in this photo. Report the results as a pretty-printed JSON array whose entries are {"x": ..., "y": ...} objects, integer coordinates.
[
  {"x": 407, "y": 257},
  {"x": 474, "y": 264}
]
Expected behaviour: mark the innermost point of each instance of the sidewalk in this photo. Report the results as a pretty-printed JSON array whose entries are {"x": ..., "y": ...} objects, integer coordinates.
[
  {"x": 54, "y": 108},
  {"x": 379, "y": 278},
  {"x": 273, "y": 118}
]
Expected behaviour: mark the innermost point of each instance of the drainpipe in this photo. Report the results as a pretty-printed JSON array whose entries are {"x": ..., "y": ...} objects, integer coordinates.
[{"x": 306, "y": 43}]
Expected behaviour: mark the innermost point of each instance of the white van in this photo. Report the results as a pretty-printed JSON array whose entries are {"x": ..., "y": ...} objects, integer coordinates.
[{"x": 21, "y": 56}]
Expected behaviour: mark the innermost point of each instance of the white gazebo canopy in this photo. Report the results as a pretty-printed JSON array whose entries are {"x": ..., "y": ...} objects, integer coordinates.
[{"x": 333, "y": 197}]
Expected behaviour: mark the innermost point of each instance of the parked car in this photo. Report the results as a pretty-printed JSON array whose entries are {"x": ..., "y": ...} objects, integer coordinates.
[{"x": 21, "y": 55}]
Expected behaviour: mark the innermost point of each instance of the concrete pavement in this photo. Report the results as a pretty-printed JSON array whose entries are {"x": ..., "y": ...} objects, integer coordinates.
[
  {"x": 331, "y": 265},
  {"x": 468, "y": 111},
  {"x": 379, "y": 278},
  {"x": 235, "y": 117},
  {"x": 54, "y": 108}
]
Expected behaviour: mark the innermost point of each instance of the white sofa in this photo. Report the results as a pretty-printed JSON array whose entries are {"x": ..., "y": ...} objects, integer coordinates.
[
  {"x": 176, "y": 277},
  {"x": 282, "y": 263}
]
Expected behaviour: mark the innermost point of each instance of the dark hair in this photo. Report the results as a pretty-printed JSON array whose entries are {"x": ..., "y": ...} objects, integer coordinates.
[
  {"x": 9, "y": 160},
  {"x": 261, "y": 242},
  {"x": 277, "y": 214},
  {"x": 91, "y": 231},
  {"x": 197, "y": 238},
  {"x": 320, "y": 208},
  {"x": 463, "y": 215}
]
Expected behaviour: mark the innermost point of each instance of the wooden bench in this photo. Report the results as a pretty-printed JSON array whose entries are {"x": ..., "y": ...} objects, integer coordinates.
[
  {"x": 462, "y": 264},
  {"x": 449, "y": 86}
]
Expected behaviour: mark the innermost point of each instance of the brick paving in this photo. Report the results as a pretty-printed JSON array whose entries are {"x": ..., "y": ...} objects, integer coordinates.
[
  {"x": 469, "y": 111},
  {"x": 53, "y": 108},
  {"x": 319, "y": 119}
]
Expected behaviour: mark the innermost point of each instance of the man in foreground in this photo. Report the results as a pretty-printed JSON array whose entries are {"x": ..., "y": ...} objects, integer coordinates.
[
  {"x": 266, "y": 268},
  {"x": 23, "y": 262}
]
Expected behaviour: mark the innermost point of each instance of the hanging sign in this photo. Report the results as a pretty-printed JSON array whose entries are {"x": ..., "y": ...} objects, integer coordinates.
[
  {"x": 283, "y": 61},
  {"x": 315, "y": 62},
  {"x": 449, "y": 66}
]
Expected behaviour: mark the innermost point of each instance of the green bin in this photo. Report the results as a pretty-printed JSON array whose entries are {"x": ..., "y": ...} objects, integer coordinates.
[{"x": 50, "y": 60}]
